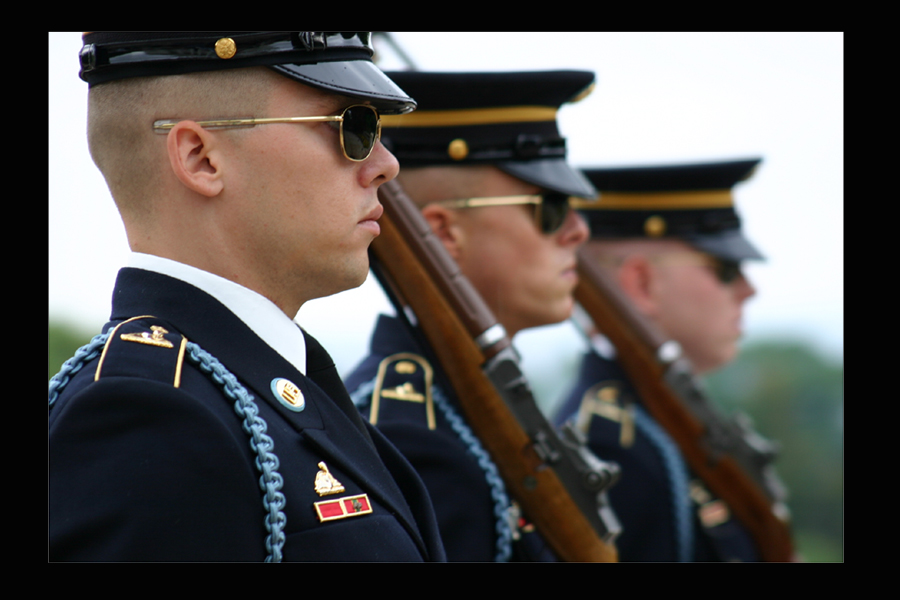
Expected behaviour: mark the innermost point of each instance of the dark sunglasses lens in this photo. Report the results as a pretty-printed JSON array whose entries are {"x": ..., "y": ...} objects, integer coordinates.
[
  {"x": 728, "y": 270},
  {"x": 554, "y": 210},
  {"x": 360, "y": 131}
]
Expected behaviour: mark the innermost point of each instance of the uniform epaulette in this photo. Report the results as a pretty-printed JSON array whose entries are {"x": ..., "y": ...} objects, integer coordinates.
[
  {"x": 607, "y": 399},
  {"x": 143, "y": 347},
  {"x": 404, "y": 377}
]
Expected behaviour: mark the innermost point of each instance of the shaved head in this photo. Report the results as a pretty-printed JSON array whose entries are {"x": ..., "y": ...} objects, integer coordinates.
[
  {"x": 121, "y": 113},
  {"x": 426, "y": 185},
  {"x": 611, "y": 252}
]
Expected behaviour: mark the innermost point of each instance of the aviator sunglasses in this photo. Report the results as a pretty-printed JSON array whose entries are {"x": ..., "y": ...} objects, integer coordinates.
[
  {"x": 550, "y": 209},
  {"x": 726, "y": 271},
  {"x": 360, "y": 127}
]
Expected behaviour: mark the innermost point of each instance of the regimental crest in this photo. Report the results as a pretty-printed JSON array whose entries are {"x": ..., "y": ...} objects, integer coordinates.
[
  {"x": 405, "y": 391},
  {"x": 326, "y": 483},
  {"x": 288, "y": 393},
  {"x": 606, "y": 400},
  {"x": 132, "y": 350},
  {"x": 154, "y": 337},
  {"x": 404, "y": 377}
]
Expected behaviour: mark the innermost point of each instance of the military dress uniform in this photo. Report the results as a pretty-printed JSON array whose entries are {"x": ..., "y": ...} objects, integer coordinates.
[
  {"x": 396, "y": 388},
  {"x": 665, "y": 512},
  {"x": 186, "y": 433},
  {"x": 507, "y": 120},
  {"x": 149, "y": 459}
]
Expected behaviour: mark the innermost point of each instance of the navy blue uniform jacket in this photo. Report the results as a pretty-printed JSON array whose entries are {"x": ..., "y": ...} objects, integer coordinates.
[
  {"x": 652, "y": 498},
  {"x": 457, "y": 480},
  {"x": 140, "y": 470}
]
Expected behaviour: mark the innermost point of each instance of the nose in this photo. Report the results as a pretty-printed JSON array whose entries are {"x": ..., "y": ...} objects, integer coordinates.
[
  {"x": 574, "y": 230},
  {"x": 380, "y": 167},
  {"x": 743, "y": 288}
]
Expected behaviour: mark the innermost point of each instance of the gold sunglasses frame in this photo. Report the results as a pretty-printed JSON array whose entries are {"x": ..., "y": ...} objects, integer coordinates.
[
  {"x": 163, "y": 126},
  {"x": 720, "y": 267},
  {"x": 536, "y": 199}
]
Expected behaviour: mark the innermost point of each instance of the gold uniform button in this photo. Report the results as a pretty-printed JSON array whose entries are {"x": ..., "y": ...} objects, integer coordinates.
[
  {"x": 655, "y": 226},
  {"x": 226, "y": 48},
  {"x": 458, "y": 149}
]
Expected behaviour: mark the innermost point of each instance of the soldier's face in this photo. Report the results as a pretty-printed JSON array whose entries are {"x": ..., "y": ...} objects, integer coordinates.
[
  {"x": 697, "y": 310},
  {"x": 526, "y": 277},
  {"x": 308, "y": 213}
]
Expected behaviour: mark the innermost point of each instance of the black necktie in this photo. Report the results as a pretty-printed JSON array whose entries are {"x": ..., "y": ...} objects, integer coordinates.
[{"x": 320, "y": 368}]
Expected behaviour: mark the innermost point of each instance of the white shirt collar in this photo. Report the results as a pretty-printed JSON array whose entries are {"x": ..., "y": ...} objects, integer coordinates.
[{"x": 258, "y": 312}]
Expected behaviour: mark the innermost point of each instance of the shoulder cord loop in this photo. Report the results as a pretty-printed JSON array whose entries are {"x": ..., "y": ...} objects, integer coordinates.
[
  {"x": 677, "y": 472},
  {"x": 267, "y": 463},
  {"x": 498, "y": 489},
  {"x": 361, "y": 397},
  {"x": 83, "y": 355}
]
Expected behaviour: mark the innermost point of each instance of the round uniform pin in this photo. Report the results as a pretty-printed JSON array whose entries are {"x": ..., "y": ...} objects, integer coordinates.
[{"x": 288, "y": 394}]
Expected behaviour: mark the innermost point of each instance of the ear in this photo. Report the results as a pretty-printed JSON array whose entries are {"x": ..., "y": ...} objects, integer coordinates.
[
  {"x": 194, "y": 158},
  {"x": 635, "y": 276},
  {"x": 446, "y": 227}
]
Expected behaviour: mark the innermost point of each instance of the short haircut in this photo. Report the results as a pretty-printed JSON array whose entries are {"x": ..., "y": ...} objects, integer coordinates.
[{"x": 121, "y": 114}]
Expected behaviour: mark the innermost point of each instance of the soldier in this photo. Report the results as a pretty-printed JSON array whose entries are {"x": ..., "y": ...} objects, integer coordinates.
[
  {"x": 672, "y": 240},
  {"x": 204, "y": 424},
  {"x": 484, "y": 160}
]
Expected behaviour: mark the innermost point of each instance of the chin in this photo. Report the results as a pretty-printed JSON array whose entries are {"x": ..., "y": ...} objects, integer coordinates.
[
  {"x": 552, "y": 317},
  {"x": 358, "y": 279},
  {"x": 349, "y": 277},
  {"x": 714, "y": 363},
  {"x": 563, "y": 311}
]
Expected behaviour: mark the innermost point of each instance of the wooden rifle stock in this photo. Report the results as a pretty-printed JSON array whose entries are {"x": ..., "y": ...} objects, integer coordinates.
[
  {"x": 537, "y": 467},
  {"x": 732, "y": 461}
]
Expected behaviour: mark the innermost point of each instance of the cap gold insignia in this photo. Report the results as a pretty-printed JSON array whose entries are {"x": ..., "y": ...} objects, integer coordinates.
[
  {"x": 342, "y": 508},
  {"x": 288, "y": 394},
  {"x": 655, "y": 226},
  {"x": 226, "y": 48},
  {"x": 458, "y": 149},
  {"x": 326, "y": 482},
  {"x": 154, "y": 337}
]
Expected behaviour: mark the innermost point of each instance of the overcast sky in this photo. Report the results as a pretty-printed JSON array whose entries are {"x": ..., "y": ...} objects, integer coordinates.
[{"x": 660, "y": 98}]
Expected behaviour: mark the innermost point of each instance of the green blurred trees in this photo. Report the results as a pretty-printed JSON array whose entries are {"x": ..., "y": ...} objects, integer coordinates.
[
  {"x": 795, "y": 397},
  {"x": 62, "y": 342}
]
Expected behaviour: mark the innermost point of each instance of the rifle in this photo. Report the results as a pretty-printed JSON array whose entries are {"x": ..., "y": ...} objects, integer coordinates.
[
  {"x": 558, "y": 484},
  {"x": 733, "y": 461}
]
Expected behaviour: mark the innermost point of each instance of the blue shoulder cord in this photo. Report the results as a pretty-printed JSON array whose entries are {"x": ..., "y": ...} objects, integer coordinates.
[
  {"x": 677, "y": 472},
  {"x": 498, "y": 490},
  {"x": 270, "y": 480}
]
